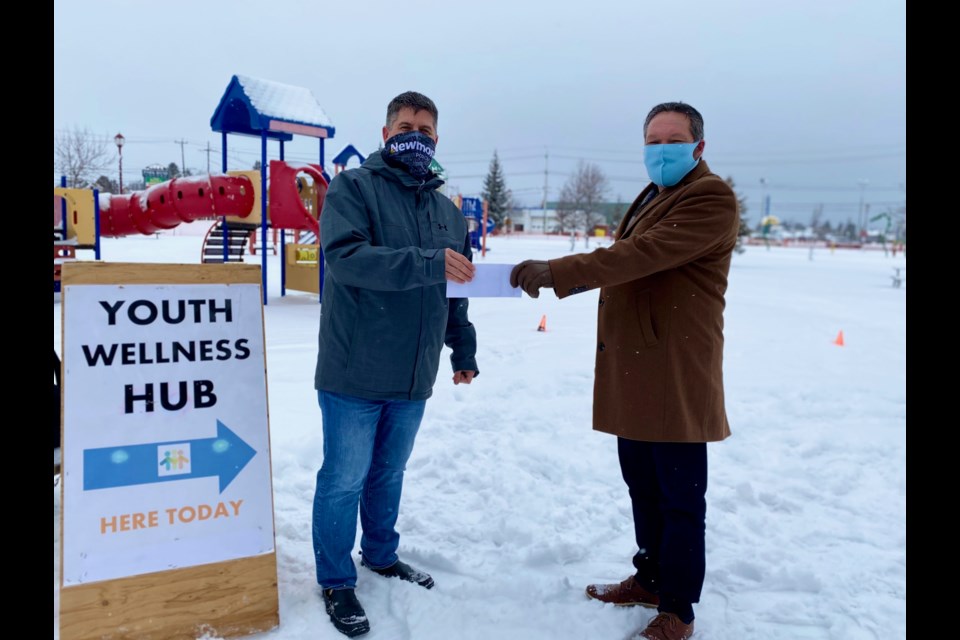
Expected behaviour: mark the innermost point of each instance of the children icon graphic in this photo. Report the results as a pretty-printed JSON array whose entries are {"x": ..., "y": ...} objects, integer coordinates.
[{"x": 174, "y": 459}]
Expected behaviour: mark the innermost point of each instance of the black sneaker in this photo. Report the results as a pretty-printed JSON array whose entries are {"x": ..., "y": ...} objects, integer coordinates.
[
  {"x": 403, "y": 571},
  {"x": 345, "y": 612}
]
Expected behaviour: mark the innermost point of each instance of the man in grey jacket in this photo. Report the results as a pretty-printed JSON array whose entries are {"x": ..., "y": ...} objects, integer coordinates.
[{"x": 391, "y": 242}]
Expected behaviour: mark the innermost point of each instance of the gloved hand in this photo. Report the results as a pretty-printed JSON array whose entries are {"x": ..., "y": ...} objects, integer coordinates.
[{"x": 531, "y": 276}]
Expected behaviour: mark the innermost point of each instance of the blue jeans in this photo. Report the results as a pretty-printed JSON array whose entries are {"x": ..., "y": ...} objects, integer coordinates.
[{"x": 366, "y": 445}]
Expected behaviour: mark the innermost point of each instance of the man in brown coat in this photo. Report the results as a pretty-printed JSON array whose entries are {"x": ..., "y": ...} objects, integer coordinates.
[{"x": 659, "y": 366}]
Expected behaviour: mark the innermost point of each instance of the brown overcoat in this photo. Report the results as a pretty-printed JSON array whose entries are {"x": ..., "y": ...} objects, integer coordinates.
[{"x": 659, "y": 368}]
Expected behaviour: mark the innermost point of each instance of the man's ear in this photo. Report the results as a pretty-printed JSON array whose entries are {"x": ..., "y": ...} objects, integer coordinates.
[
  {"x": 385, "y": 133},
  {"x": 698, "y": 151}
]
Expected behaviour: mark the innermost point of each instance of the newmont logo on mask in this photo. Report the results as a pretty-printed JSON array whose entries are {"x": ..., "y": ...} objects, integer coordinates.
[
  {"x": 411, "y": 150},
  {"x": 416, "y": 145}
]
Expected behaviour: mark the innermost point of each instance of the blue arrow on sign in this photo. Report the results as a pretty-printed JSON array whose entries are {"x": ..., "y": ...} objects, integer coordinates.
[{"x": 223, "y": 456}]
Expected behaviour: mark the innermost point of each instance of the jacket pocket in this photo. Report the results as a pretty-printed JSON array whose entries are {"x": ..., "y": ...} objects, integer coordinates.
[
  {"x": 398, "y": 236},
  {"x": 645, "y": 316}
]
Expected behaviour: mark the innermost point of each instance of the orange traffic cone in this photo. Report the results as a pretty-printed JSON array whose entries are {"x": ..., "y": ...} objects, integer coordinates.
[
  {"x": 543, "y": 323},
  {"x": 839, "y": 340}
]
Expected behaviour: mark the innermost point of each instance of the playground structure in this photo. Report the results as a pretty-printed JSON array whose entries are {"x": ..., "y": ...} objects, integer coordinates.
[
  {"x": 478, "y": 223},
  {"x": 234, "y": 200},
  {"x": 86, "y": 215}
]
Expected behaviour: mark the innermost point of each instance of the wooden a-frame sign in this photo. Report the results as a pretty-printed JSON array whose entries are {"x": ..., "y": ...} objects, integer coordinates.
[{"x": 166, "y": 525}]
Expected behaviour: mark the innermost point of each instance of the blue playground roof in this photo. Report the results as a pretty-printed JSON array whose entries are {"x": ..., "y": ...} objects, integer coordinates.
[
  {"x": 344, "y": 156},
  {"x": 252, "y": 106}
]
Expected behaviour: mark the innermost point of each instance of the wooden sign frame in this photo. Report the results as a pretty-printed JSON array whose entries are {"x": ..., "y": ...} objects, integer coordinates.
[{"x": 226, "y": 599}]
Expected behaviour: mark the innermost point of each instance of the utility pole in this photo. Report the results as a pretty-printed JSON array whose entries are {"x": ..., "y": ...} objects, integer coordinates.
[
  {"x": 546, "y": 160},
  {"x": 861, "y": 218},
  {"x": 183, "y": 161}
]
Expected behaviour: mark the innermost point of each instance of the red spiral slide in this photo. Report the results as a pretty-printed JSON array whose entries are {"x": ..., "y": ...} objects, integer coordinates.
[{"x": 287, "y": 210}]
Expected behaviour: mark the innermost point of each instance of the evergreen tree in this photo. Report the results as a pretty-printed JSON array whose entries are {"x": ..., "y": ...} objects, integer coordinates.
[
  {"x": 173, "y": 170},
  {"x": 495, "y": 192},
  {"x": 849, "y": 230},
  {"x": 106, "y": 185},
  {"x": 744, "y": 230}
]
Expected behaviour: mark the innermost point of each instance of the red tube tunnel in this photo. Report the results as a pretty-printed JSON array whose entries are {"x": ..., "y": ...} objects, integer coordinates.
[{"x": 168, "y": 204}]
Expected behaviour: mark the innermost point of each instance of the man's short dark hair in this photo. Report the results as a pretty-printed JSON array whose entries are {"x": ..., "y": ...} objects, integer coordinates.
[
  {"x": 416, "y": 101},
  {"x": 696, "y": 120}
]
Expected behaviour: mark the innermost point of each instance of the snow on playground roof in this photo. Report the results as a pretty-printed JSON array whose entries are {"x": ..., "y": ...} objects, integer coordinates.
[
  {"x": 254, "y": 105},
  {"x": 284, "y": 101}
]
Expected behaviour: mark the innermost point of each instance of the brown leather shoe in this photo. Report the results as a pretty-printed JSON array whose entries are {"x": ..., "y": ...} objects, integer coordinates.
[
  {"x": 625, "y": 594},
  {"x": 667, "y": 626}
]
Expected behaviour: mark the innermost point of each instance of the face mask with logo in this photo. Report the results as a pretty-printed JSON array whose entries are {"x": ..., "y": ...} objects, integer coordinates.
[
  {"x": 412, "y": 151},
  {"x": 667, "y": 164}
]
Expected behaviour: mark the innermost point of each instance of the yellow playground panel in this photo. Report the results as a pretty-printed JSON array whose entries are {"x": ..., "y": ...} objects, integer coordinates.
[
  {"x": 309, "y": 195},
  {"x": 302, "y": 267},
  {"x": 80, "y": 215}
]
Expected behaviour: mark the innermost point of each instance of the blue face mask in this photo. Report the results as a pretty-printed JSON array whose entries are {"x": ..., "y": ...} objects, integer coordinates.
[
  {"x": 412, "y": 151},
  {"x": 667, "y": 164}
]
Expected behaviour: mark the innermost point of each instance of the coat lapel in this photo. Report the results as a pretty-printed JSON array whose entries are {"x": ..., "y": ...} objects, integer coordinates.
[
  {"x": 628, "y": 224},
  {"x": 629, "y": 219}
]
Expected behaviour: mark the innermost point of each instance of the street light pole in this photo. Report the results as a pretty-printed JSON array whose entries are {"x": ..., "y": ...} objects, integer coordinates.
[
  {"x": 546, "y": 161},
  {"x": 763, "y": 197},
  {"x": 119, "y": 140}
]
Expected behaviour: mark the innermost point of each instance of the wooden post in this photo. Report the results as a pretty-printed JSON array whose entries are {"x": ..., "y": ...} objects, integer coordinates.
[{"x": 483, "y": 245}]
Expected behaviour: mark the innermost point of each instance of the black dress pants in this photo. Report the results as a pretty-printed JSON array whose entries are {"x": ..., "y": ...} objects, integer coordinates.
[{"x": 668, "y": 485}]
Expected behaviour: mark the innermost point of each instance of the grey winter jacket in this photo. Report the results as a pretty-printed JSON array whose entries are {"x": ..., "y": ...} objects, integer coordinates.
[{"x": 384, "y": 316}]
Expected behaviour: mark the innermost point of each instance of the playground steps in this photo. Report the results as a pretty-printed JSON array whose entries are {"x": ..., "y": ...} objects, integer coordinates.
[{"x": 235, "y": 234}]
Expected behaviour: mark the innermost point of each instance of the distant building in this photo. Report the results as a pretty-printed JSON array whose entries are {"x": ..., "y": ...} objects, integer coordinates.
[{"x": 538, "y": 220}]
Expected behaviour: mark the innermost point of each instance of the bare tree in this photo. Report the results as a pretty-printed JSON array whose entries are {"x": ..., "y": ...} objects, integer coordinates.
[
  {"x": 583, "y": 193},
  {"x": 79, "y": 155},
  {"x": 816, "y": 216},
  {"x": 567, "y": 214}
]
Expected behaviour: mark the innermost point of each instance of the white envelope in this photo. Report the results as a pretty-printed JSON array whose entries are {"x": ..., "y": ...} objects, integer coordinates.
[{"x": 489, "y": 281}]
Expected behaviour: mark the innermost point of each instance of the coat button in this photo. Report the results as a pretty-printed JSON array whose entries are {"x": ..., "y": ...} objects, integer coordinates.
[{"x": 601, "y": 347}]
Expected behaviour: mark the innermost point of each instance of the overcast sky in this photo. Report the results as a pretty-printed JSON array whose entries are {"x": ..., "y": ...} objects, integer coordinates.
[{"x": 808, "y": 96}]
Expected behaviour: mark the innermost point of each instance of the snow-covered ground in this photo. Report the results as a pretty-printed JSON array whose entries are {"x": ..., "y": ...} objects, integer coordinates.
[{"x": 514, "y": 504}]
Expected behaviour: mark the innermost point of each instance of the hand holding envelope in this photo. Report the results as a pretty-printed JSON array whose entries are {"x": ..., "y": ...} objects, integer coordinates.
[
  {"x": 457, "y": 267},
  {"x": 531, "y": 276}
]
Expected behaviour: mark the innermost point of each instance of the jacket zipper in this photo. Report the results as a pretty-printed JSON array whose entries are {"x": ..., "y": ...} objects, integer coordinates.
[{"x": 416, "y": 365}]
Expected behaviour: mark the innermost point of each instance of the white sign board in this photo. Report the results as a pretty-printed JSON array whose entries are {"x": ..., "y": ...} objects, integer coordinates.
[{"x": 166, "y": 446}]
